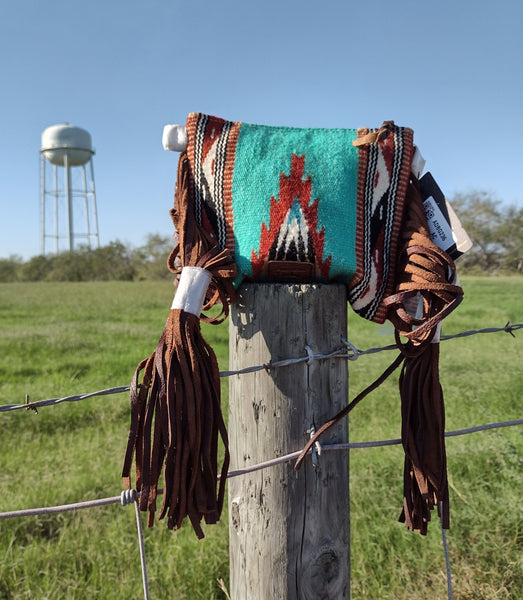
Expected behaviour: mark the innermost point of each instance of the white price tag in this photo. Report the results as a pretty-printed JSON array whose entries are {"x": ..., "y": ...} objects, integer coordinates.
[{"x": 440, "y": 230}]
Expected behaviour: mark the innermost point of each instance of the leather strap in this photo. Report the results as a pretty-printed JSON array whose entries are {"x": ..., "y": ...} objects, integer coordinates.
[
  {"x": 176, "y": 419},
  {"x": 425, "y": 273}
]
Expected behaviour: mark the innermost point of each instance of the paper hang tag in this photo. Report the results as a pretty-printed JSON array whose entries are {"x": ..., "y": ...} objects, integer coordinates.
[
  {"x": 446, "y": 231},
  {"x": 445, "y": 228}
]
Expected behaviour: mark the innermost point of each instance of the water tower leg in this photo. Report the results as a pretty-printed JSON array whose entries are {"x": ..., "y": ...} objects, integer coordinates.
[
  {"x": 56, "y": 225},
  {"x": 95, "y": 213},
  {"x": 42, "y": 204},
  {"x": 69, "y": 203},
  {"x": 86, "y": 205}
]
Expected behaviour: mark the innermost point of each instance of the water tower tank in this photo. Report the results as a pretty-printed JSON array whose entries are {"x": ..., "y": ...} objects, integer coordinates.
[
  {"x": 68, "y": 199},
  {"x": 59, "y": 141}
]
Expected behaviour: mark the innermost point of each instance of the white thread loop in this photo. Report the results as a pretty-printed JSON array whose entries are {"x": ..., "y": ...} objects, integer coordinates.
[{"x": 191, "y": 290}]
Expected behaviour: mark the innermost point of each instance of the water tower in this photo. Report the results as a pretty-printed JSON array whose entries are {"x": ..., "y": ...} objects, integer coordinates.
[{"x": 68, "y": 200}]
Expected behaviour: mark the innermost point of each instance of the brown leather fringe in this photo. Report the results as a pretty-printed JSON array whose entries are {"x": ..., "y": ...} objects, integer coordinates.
[
  {"x": 176, "y": 418},
  {"x": 426, "y": 272},
  {"x": 423, "y": 428}
]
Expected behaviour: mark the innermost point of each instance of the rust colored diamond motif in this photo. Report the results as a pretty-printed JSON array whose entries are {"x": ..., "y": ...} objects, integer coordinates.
[{"x": 292, "y": 235}]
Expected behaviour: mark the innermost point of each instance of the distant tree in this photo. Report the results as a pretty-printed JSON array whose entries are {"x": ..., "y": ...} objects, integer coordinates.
[
  {"x": 112, "y": 262},
  {"x": 150, "y": 260},
  {"x": 481, "y": 217},
  {"x": 496, "y": 232},
  {"x": 70, "y": 266},
  {"x": 511, "y": 232},
  {"x": 10, "y": 268},
  {"x": 36, "y": 268}
]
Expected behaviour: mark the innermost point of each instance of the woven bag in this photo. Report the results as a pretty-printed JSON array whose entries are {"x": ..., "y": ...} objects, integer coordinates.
[{"x": 261, "y": 203}]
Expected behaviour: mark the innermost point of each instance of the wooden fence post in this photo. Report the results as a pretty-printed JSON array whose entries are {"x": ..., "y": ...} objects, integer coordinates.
[{"x": 289, "y": 531}]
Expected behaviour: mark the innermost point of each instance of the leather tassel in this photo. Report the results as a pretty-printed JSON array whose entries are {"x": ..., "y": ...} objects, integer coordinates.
[
  {"x": 425, "y": 276},
  {"x": 426, "y": 286},
  {"x": 423, "y": 429},
  {"x": 176, "y": 418}
]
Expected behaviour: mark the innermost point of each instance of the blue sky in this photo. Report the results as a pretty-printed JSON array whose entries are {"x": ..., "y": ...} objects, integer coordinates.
[{"x": 122, "y": 69}]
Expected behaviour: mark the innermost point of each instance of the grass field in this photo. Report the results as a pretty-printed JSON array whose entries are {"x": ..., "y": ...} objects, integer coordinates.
[{"x": 62, "y": 339}]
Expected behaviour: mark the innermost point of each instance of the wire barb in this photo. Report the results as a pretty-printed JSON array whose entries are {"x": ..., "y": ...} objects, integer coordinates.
[
  {"x": 342, "y": 352},
  {"x": 30, "y": 405},
  {"x": 509, "y": 329}
]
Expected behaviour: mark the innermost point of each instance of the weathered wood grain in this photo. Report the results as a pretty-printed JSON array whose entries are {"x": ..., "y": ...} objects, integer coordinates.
[{"x": 289, "y": 531}]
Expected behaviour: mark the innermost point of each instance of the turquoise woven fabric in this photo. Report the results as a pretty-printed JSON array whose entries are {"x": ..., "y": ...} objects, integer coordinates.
[
  {"x": 296, "y": 204},
  {"x": 330, "y": 160}
]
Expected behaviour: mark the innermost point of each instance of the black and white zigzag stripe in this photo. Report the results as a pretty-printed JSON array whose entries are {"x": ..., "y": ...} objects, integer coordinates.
[
  {"x": 377, "y": 220},
  {"x": 208, "y": 192}
]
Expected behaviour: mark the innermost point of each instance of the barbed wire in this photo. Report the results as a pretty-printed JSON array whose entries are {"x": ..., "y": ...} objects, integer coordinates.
[
  {"x": 34, "y": 406},
  {"x": 31, "y": 512},
  {"x": 346, "y": 351}
]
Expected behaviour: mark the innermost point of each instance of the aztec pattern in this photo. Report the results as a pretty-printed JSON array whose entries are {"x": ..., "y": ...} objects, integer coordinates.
[
  {"x": 382, "y": 184},
  {"x": 299, "y": 204},
  {"x": 295, "y": 241},
  {"x": 211, "y": 153}
]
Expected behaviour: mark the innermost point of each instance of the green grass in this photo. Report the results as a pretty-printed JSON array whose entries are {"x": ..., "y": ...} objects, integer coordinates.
[{"x": 62, "y": 338}]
